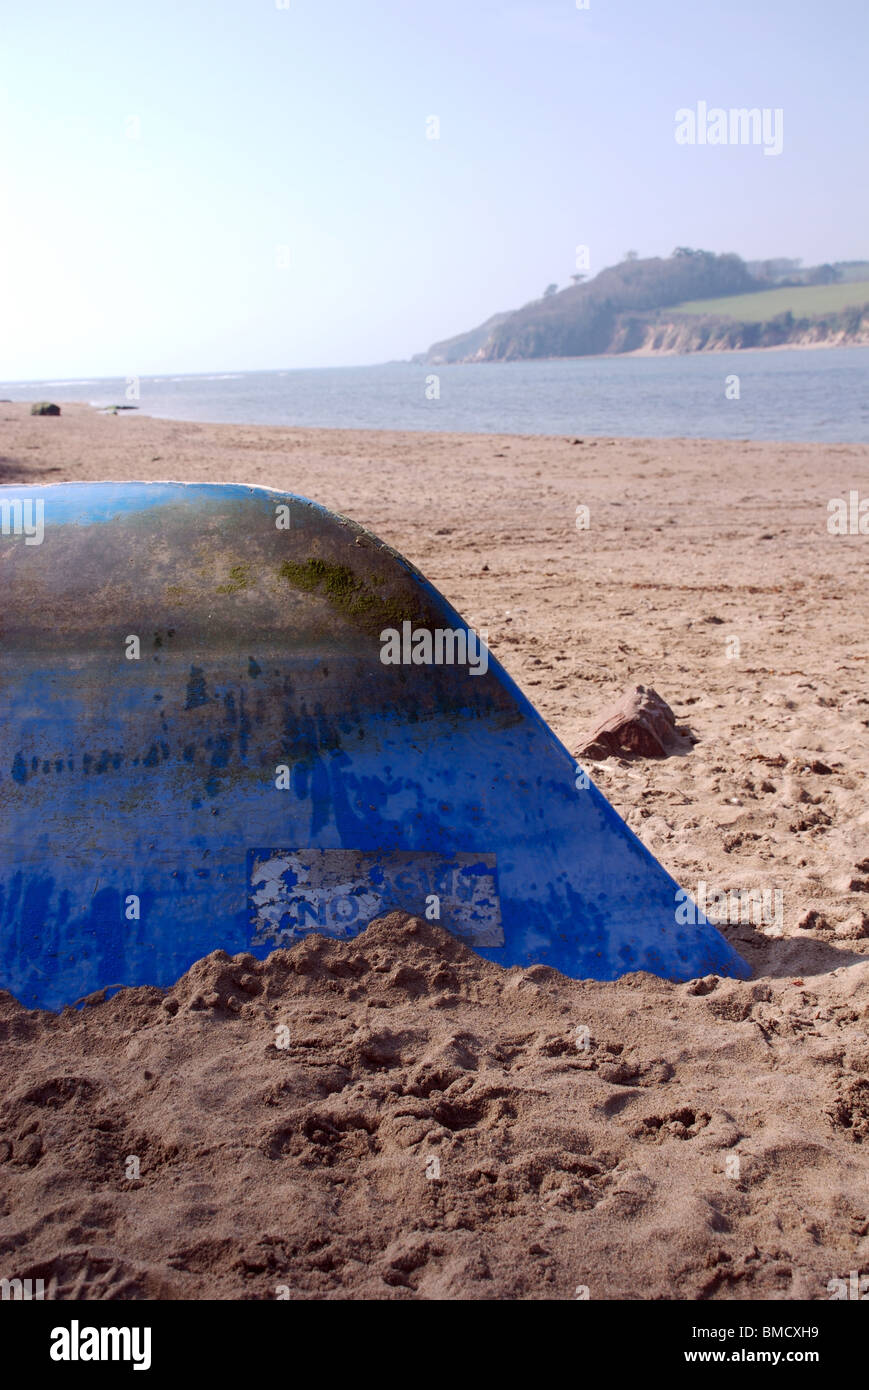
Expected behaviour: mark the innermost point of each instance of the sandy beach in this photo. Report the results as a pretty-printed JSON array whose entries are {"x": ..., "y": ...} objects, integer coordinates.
[{"x": 439, "y": 1127}]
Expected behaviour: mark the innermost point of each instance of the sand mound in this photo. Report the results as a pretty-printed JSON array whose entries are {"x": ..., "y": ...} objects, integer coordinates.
[{"x": 395, "y": 1117}]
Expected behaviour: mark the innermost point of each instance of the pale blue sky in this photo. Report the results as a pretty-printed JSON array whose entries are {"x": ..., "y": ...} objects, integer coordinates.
[{"x": 305, "y": 128}]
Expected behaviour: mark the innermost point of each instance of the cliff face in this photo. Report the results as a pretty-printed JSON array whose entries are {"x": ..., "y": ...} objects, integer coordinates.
[
  {"x": 604, "y": 332},
  {"x": 682, "y": 334}
]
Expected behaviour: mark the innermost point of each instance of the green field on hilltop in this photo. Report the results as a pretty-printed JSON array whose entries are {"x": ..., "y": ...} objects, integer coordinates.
[{"x": 801, "y": 300}]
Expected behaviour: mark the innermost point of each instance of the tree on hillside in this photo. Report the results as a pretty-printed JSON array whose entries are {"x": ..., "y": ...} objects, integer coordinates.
[
  {"x": 824, "y": 275},
  {"x": 550, "y": 291},
  {"x": 631, "y": 256}
]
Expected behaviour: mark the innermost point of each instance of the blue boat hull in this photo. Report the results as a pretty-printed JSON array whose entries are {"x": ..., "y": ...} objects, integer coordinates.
[{"x": 201, "y": 746}]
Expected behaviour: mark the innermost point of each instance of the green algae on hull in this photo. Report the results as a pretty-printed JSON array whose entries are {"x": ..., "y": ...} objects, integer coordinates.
[
  {"x": 239, "y": 578},
  {"x": 348, "y": 594}
]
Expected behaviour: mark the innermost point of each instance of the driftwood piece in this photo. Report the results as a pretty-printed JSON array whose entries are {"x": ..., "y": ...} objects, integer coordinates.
[{"x": 639, "y": 723}]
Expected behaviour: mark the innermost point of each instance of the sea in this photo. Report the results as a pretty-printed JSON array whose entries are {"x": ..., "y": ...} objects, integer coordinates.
[{"x": 789, "y": 394}]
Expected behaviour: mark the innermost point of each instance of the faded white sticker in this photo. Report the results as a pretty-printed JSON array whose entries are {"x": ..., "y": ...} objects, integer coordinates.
[{"x": 337, "y": 892}]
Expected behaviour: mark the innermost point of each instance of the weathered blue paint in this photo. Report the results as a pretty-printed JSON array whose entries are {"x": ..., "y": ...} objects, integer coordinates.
[{"x": 259, "y": 720}]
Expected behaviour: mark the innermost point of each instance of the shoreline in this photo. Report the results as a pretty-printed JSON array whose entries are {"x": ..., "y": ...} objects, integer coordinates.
[
  {"x": 636, "y": 352},
  {"x": 367, "y": 431},
  {"x": 793, "y": 399},
  {"x": 708, "y": 352}
]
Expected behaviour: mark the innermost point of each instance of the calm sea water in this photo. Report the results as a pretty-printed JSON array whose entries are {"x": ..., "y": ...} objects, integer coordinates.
[{"x": 788, "y": 395}]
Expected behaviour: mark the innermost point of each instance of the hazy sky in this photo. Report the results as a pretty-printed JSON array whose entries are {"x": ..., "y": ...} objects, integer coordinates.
[{"x": 206, "y": 185}]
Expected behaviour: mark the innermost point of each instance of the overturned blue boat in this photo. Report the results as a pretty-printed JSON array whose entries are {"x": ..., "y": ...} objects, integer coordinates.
[{"x": 229, "y": 718}]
